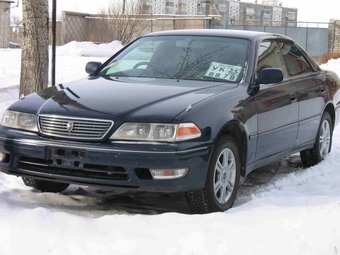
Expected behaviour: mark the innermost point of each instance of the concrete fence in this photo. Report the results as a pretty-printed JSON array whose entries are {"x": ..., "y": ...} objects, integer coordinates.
[{"x": 90, "y": 27}]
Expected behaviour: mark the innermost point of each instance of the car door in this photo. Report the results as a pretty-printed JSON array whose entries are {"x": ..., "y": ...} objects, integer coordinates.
[
  {"x": 310, "y": 91},
  {"x": 277, "y": 107}
]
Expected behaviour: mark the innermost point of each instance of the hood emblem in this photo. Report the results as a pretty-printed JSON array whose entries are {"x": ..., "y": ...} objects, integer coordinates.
[{"x": 69, "y": 126}]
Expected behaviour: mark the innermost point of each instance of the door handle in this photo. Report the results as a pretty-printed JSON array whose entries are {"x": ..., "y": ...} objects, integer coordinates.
[{"x": 293, "y": 97}]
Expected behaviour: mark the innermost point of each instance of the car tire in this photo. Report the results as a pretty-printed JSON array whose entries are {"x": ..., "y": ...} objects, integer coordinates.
[
  {"x": 322, "y": 144},
  {"x": 222, "y": 179},
  {"x": 45, "y": 186}
]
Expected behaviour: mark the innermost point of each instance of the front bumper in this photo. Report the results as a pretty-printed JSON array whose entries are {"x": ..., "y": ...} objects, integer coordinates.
[{"x": 103, "y": 164}]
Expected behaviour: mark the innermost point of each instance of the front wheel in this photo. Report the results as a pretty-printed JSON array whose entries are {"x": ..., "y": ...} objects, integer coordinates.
[
  {"x": 222, "y": 180},
  {"x": 45, "y": 186},
  {"x": 322, "y": 144}
]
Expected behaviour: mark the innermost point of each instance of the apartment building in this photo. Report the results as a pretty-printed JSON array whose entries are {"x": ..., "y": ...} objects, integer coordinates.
[
  {"x": 175, "y": 7},
  {"x": 268, "y": 13}
]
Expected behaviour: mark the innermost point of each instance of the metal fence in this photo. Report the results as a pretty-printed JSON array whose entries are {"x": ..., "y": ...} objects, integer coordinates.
[
  {"x": 315, "y": 37},
  {"x": 314, "y": 40}
]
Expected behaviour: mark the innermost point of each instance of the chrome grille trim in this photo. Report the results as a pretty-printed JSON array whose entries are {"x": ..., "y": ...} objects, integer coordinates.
[{"x": 83, "y": 129}]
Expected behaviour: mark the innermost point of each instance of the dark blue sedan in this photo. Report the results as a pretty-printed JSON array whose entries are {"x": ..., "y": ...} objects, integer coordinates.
[{"x": 191, "y": 111}]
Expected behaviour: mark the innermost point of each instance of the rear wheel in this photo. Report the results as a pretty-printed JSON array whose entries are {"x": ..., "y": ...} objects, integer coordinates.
[
  {"x": 222, "y": 180},
  {"x": 322, "y": 145},
  {"x": 45, "y": 186}
]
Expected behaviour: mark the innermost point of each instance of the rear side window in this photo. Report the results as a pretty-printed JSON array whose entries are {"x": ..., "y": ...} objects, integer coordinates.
[{"x": 294, "y": 59}]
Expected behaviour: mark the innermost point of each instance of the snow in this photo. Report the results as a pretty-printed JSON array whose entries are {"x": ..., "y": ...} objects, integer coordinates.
[
  {"x": 280, "y": 209},
  {"x": 70, "y": 61}
]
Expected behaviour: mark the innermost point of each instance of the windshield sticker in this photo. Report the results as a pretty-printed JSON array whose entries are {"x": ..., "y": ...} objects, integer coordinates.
[{"x": 223, "y": 71}]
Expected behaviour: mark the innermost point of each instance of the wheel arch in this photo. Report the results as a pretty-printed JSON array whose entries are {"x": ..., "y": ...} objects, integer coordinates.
[
  {"x": 237, "y": 131},
  {"x": 331, "y": 110}
]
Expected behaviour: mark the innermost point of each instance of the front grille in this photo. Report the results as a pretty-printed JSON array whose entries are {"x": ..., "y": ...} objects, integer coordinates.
[
  {"x": 91, "y": 171},
  {"x": 76, "y": 128}
]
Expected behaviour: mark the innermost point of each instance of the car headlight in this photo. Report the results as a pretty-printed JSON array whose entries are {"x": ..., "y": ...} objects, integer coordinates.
[
  {"x": 19, "y": 120},
  {"x": 156, "y": 132}
]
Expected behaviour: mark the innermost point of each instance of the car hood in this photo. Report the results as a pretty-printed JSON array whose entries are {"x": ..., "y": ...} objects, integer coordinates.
[{"x": 131, "y": 100}]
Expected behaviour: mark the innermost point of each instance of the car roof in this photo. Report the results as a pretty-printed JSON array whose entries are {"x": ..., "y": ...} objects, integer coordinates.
[{"x": 245, "y": 34}]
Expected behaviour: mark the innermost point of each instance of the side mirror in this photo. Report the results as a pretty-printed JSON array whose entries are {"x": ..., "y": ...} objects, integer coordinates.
[
  {"x": 91, "y": 67},
  {"x": 269, "y": 75}
]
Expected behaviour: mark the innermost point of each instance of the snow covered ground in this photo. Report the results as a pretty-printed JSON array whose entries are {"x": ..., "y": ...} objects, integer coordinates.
[{"x": 281, "y": 208}]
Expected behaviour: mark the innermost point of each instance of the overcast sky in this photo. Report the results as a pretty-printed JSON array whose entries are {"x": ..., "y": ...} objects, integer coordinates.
[{"x": 308, "y": 10}]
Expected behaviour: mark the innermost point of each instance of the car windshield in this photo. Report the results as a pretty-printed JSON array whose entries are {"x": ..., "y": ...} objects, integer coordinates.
[{"x": 181, "y": 57}]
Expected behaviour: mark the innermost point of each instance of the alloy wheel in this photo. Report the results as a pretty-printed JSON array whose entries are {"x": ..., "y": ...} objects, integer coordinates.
[
  {"x": 224, "y": 176},
  {"x": 325, "y": 138}
]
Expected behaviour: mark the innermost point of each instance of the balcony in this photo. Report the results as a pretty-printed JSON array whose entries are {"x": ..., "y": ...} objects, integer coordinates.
[
  {"x": 290, "y": 16},
  {"x": 266, "y": 15},
  {"x": 170, "y": 10},
  {"x": 250, "y": 11}
]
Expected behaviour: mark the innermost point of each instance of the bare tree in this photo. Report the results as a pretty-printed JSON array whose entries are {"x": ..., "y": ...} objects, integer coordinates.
[
  {"x": 34, "y": 56},
  {"x": 123, "y": 23},
  {"x": 16, "y": 20}
]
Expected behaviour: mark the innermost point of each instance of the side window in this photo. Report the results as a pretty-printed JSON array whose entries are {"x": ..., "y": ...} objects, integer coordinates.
[
  {"x": 294, "y": 59},
  {"x": 270, "y": 57}
]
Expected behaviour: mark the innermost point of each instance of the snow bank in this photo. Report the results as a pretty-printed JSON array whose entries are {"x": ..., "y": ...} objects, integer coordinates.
[{"x": 89, "y": 49}]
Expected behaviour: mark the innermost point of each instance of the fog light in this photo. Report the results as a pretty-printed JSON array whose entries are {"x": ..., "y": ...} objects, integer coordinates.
[
  {"x": 5, "y": 157},
  {"x": 168, "y": 174},
  {"x": 2, "y": 157}
]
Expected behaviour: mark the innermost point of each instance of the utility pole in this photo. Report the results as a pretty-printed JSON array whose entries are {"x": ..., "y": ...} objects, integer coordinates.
[
  {"x": 54, "y": 40},
  {"x": 124, "y": 6},
  {"x": 206, "y": 8}
]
